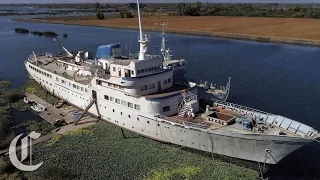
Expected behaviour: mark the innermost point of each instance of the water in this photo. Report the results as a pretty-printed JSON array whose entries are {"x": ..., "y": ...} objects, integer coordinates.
[{"x": 281, "y": 79}]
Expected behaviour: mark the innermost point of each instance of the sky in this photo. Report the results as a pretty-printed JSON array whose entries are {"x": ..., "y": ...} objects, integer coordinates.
[{"x": 158, "y": 1}]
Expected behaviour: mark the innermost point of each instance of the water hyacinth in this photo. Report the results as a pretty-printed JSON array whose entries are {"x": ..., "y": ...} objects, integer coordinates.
[{"x": 100, "y": 152}]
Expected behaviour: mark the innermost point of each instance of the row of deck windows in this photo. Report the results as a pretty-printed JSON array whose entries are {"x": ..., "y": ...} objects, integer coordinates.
[
  {"x": 72, "y": 85},
  {"x": 122, "y": 102},
  {"x": 148, "y": 69},
  {"x": 39, "y": 71}
]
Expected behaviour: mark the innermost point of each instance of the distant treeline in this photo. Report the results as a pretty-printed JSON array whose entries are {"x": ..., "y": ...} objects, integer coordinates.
[
  {"x": 193, "y": 9},
  {"x": 249, "y": 10}
]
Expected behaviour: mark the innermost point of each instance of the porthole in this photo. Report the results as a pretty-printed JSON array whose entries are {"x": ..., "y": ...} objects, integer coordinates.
[
  {"x": 123, "y": 123},
  {"x": 137, "y": 118},
  {"x": 148, "y": 122},
  {"x": 121, "y": 113},
  {"x": 129, "y": 116},
  {"x": 132, "y": 127},
  {"x": 112, "y": 110},
  {"x": 158, "y": 124}
]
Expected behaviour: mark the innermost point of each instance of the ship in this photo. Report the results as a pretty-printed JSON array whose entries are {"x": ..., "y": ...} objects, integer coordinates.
[{"x": 140, "y": 95}]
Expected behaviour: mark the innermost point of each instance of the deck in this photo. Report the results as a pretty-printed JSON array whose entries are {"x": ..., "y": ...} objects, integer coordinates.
[
  {"x": 65, "y": 113},
  {"x": 167, "y": 92}
]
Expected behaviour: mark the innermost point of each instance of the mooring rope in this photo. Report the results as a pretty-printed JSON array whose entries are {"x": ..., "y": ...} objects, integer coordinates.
[{"x": 255, "y": 147}]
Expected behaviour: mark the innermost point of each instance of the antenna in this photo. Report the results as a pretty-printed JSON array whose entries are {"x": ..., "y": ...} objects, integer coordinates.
[{"x": 143, "y": 38}]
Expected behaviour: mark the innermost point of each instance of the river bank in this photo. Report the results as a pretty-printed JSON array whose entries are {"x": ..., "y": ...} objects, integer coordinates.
[{"x": 276, "y": 30}]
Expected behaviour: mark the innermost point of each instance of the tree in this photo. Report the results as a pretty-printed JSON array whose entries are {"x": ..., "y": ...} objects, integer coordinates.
[
  {"x": 132, "y": 5},
  {"x": 96, "y": 6},
  {"x": 99, "y": 15}
]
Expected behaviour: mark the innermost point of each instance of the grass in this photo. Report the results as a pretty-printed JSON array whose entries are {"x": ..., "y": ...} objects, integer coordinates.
[{"x": 100, "y": 152}]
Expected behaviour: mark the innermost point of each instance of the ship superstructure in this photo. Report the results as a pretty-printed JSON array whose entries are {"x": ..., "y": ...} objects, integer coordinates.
[{"x": 142, "y": 96}]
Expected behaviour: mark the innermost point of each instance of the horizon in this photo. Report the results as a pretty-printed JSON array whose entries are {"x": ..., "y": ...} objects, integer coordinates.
[{"x": 150, "y": 1}]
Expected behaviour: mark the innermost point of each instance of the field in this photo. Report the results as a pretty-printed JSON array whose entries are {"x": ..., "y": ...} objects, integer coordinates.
[
  {"x": 100, "y": 152},
  {"x": 290, "y": 30}
]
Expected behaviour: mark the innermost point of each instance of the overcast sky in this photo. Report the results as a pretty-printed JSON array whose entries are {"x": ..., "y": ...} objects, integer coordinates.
[{"x": 158, "y": 1}]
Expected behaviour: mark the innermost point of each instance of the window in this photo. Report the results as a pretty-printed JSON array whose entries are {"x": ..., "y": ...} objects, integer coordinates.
[
  {"x": 114, "y": 69},
  {"x": 85, "y": 89},
  {"x": 81, "y": 88},
  {"x": 124, "y": 103},
  {"x": 165, "y": 82},
  {"x": 63, "y": 81},
  {"x": 150, "y": 69},
  {"x": 138, "y": 72},
  {"x": 78, "y": 87},
  {"x": 57, "y": 78},
  {"x": 132, "y": 72},
  {"x": 144, "y": 87},
  {"x": 166, "y": 109},
  {"x": 130, "y": 105},
  {"x": 169, "y": 80},
  {"x": 118, "y": 101},
  {"x": 137, "y": 107},
  {"x": 151, "y": 86},
  {"x": 106, "y": 97},
  {"x": 146, "y": 70},
  {"x": 142, "y": 70},
  {"x": 111, "y": 98},
  {"x": 74, "y": 86}
]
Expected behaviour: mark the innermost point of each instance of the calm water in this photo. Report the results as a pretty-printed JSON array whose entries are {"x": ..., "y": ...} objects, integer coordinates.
[{"x": 280, "y": 79}]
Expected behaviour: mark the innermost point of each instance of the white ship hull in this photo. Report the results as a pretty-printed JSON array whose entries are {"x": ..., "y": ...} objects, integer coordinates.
[{"x": 248, "y": 147}]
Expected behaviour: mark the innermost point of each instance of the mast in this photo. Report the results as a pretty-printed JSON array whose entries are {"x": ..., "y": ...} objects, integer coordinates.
[
  {"x": 163, "y": 42},
  {"x": 143, "y": 38}
]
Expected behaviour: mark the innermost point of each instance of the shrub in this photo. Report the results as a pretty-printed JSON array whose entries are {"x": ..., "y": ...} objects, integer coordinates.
[
  {"x": 50, "y": 34},
  {"x": 126, "y": 14},
  {"x": 99, "y": 15},
  {"x": 3, "y": 166},
  {"x": 21, "y": 30}
]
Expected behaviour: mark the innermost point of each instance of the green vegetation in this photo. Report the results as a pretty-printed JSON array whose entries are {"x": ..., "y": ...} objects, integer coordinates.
[
  {"x": 249, "y": 10},
  {"x": 21, "y": 30},
  {"x": 110, "y": 156},
  {"x": 8, "y": 171},
  {"x": 42, "y": 127},
  {"x": 46, "y": 33},
  {"x": 99, "y": 15},
  {"x": 6, "y": 135},
  {"x": 37, "y": 33},
  {"x": 11, "y": 98},
  {"x": 33, "y": 87},
  {"x": 126, "y": 14}
]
